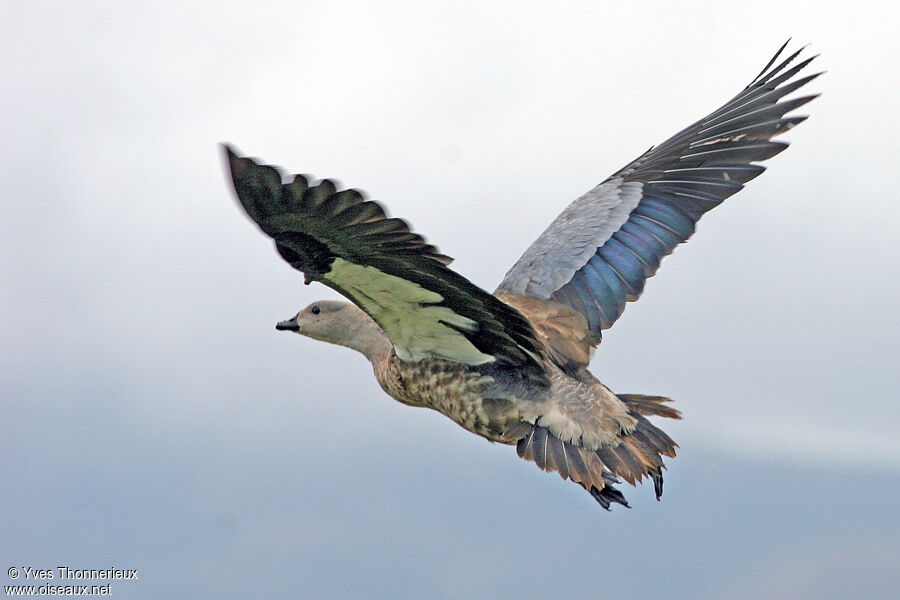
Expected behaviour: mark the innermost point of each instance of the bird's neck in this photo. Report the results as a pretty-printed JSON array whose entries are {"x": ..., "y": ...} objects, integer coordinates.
[{"x": 370, "y": 340}]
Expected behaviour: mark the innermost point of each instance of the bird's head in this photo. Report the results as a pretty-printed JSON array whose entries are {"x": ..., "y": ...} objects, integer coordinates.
[{"x": 336, "y": 322}]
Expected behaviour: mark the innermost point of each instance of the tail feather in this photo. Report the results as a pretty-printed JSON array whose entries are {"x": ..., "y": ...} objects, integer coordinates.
[
  {"x": 649, "y": 405},
  {"x": 637, "y": 455},
  {"x": 647, "y": 441}
]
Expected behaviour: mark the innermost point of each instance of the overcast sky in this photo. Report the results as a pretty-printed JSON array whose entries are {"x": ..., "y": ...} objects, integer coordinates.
[{"x": 152, "y": 417}]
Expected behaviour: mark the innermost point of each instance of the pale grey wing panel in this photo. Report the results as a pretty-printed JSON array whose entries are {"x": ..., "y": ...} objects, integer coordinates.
[
  {"x": 598, "y": 254},
  {"x": 572, "y": 238}
]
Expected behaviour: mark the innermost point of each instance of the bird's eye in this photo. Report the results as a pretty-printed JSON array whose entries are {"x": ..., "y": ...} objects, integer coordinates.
[{"x": 315, "y": 310}]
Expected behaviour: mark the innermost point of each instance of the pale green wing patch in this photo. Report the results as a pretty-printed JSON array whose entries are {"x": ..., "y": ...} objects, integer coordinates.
[
  {"x": 349, "y": 243},
  {"x": 409, "y": 314}
]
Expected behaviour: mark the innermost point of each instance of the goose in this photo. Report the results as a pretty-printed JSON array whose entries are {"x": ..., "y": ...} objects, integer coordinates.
[{"x": 512, "y": 366}]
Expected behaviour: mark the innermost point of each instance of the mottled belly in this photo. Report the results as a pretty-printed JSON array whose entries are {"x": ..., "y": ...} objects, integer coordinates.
[{"x": 460, "y": 392}]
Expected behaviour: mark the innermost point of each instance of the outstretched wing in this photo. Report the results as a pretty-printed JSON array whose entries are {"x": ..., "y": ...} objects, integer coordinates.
[
  {"x": 598, "y": 253},
  {"x": 349, "y": 244}
]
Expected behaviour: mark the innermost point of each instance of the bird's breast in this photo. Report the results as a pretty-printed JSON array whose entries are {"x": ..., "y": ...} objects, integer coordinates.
[{"x": 465, "y": 394}]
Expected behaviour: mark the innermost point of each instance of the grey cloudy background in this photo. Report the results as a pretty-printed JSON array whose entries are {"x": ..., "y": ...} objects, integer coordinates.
[{"x": 151, "y": 417}]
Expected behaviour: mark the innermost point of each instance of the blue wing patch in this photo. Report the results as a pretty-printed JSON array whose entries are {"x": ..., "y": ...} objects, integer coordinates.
[{"x": 682, "y": 179}]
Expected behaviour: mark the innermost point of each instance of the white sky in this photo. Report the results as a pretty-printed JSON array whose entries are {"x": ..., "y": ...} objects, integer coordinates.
[
  {"x": 477, "y": 124},
  {"x": 127, "y": 266}
]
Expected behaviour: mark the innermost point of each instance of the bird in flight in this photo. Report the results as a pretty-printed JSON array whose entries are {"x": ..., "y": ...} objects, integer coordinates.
[{"x": 512, "y": 365}]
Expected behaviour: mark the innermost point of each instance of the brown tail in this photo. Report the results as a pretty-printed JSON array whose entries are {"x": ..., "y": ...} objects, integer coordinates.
[
  {"x": 649, "y": 405},
  {"x": 638, "y": 454}
]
